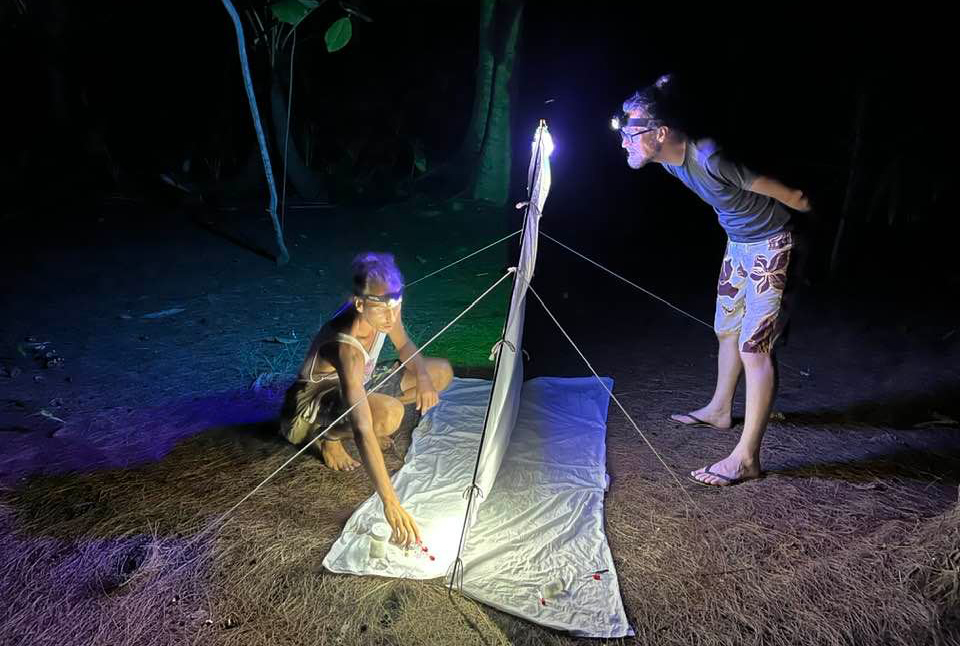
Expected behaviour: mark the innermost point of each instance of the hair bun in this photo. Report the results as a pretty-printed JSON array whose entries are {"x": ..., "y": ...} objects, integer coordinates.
[{"x": 663, "y": 81}]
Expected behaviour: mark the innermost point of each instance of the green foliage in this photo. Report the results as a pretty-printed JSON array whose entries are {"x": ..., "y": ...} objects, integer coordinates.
[
  {"x": 338, "y": 34},
  {"x": 293, "y": 12}
]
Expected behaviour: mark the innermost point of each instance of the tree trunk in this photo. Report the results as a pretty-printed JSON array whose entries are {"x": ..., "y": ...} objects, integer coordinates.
[
  {"x": 486, "y": 62},
  {"x": 284, "y": 256},
  {"x": 492, "y": 181}
]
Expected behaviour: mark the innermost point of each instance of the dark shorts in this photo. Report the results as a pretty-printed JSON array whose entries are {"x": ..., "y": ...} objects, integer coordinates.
[{"x": 309, "y": 408}]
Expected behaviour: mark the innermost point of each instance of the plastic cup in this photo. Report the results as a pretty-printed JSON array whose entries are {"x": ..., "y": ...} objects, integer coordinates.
[{"x": 379, "y": 535}]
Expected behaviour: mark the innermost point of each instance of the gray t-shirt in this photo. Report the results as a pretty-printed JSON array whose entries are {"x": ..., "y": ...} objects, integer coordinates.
[{"x": 745, "y": 216}]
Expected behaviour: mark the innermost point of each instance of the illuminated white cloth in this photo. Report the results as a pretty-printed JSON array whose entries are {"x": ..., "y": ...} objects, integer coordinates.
[{"x": 541, "y": 522}]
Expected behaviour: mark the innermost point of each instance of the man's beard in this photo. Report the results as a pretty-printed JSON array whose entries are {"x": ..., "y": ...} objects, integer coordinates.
[{"x": 637, "y": 161}]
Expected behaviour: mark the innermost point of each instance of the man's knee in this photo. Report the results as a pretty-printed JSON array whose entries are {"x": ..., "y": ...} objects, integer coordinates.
[
  {"x": 389, "y": 417},
  {"x": 728, "y": 338},
  {"x": 756, "y": 360},
  {"x": 443, "y": 375}
]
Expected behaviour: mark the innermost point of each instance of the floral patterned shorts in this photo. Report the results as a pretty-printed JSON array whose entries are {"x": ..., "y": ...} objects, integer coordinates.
[{"x": 750, "y": 291}]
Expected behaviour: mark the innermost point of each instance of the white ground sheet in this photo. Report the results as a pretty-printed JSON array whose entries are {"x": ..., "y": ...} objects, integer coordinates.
[{"x": 538, "y": 537}]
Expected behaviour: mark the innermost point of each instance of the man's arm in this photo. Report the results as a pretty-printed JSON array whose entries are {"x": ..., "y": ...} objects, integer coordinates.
[
  {"x": 794, "y": 198},
  {"x": 350, "y": 367},
  {"x": 740, "y": 176},
  {"x": 427, "y": 396}
]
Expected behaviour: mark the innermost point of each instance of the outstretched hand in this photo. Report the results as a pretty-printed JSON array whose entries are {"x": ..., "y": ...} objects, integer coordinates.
[{"x": 405, "y": 530}]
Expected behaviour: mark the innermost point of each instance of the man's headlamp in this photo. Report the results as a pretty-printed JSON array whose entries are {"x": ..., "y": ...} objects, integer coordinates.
[
  {"x": 390, "y": 299},
  {"x": 621, "y": 121}
]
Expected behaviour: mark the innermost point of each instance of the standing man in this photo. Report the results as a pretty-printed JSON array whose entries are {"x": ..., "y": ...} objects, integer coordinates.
[{"x": 753, "y": 211}]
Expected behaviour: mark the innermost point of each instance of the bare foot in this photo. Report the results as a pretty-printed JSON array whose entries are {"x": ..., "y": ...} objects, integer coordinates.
[
  {"x": 704, "y": 417},
  {"x": 336, "y": 457},
  {"x": 729, "y": 471},
  {"x": 385, "y": 442}
]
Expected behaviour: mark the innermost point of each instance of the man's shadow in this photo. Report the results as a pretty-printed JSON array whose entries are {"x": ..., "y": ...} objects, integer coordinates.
[
  {"x": 912, "y": 435},
  {"x": 935, "y": 467},
  {"x": 908, "y": 410}
]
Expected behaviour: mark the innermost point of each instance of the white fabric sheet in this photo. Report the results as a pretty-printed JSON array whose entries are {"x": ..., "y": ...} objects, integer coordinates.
[
  {"x": 508, "y": 375},
  {"x": 541, "y": 524}
]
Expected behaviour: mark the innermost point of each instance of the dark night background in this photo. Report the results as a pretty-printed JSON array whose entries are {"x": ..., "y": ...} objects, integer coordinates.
[{"x": 102, "y": 101}]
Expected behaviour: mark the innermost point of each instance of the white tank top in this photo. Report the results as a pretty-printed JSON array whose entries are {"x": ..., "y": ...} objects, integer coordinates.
[{"x": 369, "y": 358}]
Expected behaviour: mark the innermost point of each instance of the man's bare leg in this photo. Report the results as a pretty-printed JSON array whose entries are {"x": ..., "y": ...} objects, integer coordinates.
[
  {"x": 441, "y": 374},
  {"x": 718, "y": 411},
  {"x": 387, "y": 414},
  {"x": 744, "y": 462}
]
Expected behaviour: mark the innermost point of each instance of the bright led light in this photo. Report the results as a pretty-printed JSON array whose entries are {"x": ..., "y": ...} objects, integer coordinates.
[
  {"x": 547, "y": 141},
  {"x": 614, "y": 123}
]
